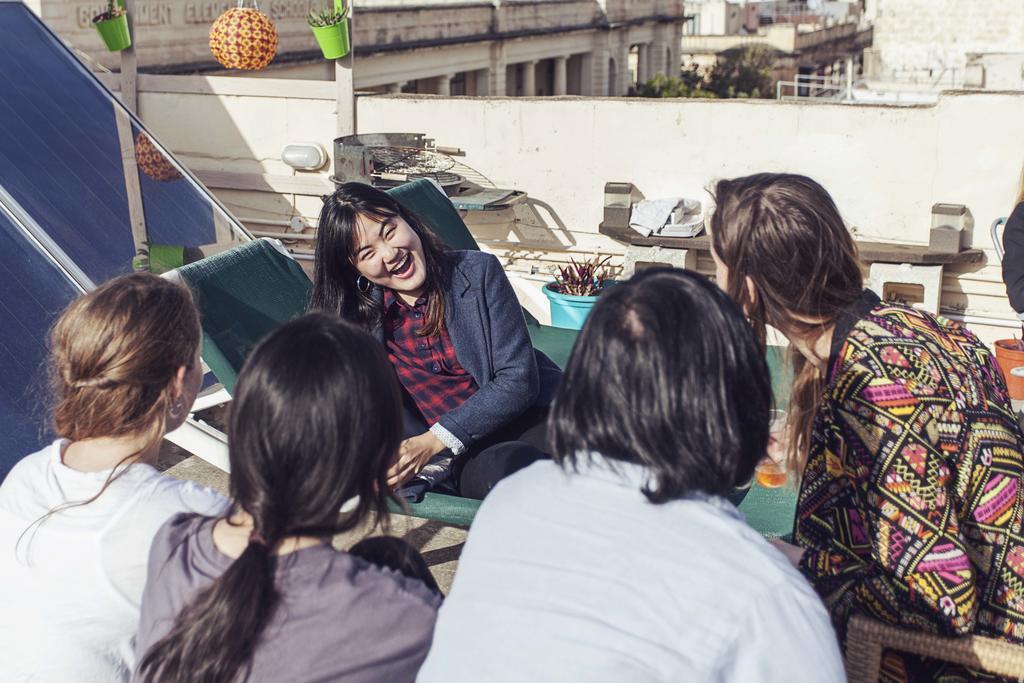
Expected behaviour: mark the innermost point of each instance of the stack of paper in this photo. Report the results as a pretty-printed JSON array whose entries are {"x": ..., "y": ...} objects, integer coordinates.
[{"x": 671, "y": 217}]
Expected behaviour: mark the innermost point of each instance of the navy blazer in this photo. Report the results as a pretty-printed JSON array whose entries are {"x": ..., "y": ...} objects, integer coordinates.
[
  {"x": 488, "y": 331},
  {"x": 1013, "y": 259}
]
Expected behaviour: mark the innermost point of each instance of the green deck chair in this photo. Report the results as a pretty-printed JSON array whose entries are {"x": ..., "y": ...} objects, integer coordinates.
[
  {"x": 245, "y": 292},
  {"x": 242, "y": 294}
]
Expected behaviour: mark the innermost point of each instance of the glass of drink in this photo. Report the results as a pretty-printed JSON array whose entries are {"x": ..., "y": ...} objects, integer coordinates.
[{"x": 771, "y": 471}]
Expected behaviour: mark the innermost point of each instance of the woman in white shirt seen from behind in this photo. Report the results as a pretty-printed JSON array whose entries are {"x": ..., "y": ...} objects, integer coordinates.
[
  {"x": 621, "y": 559},
  {"x": 78, "y": 517}
]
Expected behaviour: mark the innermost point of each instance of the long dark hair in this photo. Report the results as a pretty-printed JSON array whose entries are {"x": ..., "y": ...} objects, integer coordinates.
[
  {"x": 785, "y": 233},
  {"x": 314, "y": 423},
  {"x": 334, "y": 274},
  {"x": 667, "y": 374}
]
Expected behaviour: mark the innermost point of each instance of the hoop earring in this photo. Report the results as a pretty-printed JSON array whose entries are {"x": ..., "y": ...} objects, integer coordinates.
[
  {"x": 176, "y": 409},
  {"x": 363, "y": 285}
]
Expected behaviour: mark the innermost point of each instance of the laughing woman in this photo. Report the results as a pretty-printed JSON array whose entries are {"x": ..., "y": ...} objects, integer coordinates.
[{"x": 455, "y": 334}]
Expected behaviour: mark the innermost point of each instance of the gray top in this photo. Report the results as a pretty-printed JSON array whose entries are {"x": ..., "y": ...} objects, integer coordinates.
[{"x": 339, "y": 618}]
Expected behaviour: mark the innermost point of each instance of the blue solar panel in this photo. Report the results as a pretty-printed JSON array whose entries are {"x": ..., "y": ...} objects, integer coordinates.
[
  {"x": 81, "y": 170},
  {"x": 61, "y": 157},
  {"x": 34, "y": 291}
]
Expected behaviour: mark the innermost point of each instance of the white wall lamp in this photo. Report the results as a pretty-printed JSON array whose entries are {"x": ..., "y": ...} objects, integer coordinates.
[{"x": 304, "y": 156}]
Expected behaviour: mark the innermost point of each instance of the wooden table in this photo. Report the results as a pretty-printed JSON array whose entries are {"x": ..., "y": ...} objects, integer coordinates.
[{"x": 889, "y": 263}]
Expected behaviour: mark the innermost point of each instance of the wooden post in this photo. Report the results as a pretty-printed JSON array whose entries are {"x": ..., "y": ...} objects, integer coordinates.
[
  {"x": 133, "y": 189},
  {"x": 344, "y": 78},
  {"x": 129, "y": 90},
  {"x": 126, "y": 141}
]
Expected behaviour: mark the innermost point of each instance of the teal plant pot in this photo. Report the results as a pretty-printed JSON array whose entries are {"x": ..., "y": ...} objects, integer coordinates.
[{"x": 567, "y": 311}]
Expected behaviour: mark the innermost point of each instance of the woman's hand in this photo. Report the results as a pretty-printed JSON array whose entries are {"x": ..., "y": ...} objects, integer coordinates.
[
  {"x": 413, "y": 454},
  {"x": 792, "y": 552}
]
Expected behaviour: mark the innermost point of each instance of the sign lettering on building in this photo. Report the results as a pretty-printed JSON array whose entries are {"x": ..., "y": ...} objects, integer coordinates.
[
  {"x": 145, "y": 14},
  {"x": 166, "y": 14}
]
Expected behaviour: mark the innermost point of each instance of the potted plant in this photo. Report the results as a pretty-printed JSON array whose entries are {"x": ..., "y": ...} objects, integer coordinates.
[
  {"x": 1010, "y": 356},
  {"x": 575, "y": 290},
  {"x": 112, "y": 23},
  {"x": 330, "y": 27}
]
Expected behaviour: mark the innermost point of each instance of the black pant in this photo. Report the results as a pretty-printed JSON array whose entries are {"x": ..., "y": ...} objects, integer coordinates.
[
  {"x": 508, "y": 449},
  {"x": 394, "y": 553}
]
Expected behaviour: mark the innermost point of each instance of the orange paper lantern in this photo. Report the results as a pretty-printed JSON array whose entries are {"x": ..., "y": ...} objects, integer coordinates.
[
  {"x": 152, "y": 162},
  {"x": 243, "y": 38}
]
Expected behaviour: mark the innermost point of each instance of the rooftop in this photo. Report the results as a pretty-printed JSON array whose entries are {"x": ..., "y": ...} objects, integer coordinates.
[{"x": 74, "y": 208}]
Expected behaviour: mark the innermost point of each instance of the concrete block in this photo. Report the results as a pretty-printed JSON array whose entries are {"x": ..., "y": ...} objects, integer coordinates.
[
  {"x": 929, "y": 278},
  {"x": 647, "y": 257},
  {"x": 952, "y": 228},
  {"x": 945, "y": 239},
  {"x": 616, "y": 216}
]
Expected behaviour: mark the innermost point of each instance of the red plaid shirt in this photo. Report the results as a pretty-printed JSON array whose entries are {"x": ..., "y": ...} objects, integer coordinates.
[{"x": 426, "y": 366}]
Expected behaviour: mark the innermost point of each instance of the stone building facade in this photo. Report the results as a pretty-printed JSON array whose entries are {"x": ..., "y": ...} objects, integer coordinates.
[
  {"x": 448, "y": 47},
  {"x": 934, "y": 39}
]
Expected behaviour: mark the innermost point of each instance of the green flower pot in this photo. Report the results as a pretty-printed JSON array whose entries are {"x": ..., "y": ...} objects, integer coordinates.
[
  {"x": 333, "y": 40},
  {"x": 114, "y": 33}
]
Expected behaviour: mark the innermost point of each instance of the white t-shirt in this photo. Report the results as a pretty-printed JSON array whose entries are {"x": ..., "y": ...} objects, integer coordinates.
[
  {"x": 71, "y": 587},
  {"x": 578, "y": 577}
]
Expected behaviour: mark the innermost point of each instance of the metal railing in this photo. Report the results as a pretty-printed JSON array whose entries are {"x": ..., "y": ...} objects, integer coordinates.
[
  {"x": 946, "y": 77},
  {"x": 835, "y": 87}
]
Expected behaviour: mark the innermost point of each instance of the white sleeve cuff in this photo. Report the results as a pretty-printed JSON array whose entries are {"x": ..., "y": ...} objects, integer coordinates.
[
  {"x": 448, "y": 439},
  {"x": 1020, "y": 316}
]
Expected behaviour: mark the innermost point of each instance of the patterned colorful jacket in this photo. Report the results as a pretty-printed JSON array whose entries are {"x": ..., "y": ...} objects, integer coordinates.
[{"x": 911, "y": 504}]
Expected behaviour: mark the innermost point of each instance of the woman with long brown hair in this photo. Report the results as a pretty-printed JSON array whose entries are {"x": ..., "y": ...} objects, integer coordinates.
[
  {"x": 910, "y": 505},
  {"x": 77, "y": 518}
]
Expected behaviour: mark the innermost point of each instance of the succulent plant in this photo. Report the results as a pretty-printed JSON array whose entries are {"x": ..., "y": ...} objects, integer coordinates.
[
  {"x": 582, "y": 279},
  {"x": 327, "y": 17},
  {"x": 112, "y": 11}
]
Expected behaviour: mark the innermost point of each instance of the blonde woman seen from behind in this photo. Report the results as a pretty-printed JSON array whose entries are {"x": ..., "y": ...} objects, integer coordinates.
[{"x": 77, "y": 518}]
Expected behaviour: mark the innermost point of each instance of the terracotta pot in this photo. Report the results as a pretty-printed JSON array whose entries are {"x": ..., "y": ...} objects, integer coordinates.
[{"x": 1009, "y": 356}]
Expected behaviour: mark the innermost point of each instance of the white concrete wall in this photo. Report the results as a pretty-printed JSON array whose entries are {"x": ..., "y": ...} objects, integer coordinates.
[
  {"x": 885, "y": 166},
  {"x": 878, "y": 161}
]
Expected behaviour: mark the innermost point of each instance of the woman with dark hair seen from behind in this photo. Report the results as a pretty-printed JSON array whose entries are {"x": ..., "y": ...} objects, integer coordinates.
[
  {"x": 475, "y": 391},
  {"x": 77, "y": 518},
  {"x": 261, "y": 594},
  {"x": 910, "y": 504},
  {"x": 626, "y": 561}
]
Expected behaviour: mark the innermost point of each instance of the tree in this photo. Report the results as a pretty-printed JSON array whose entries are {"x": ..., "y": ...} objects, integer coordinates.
[
  {"x": 745, "y": 72},
  {"x": 670, "y": 86}
]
